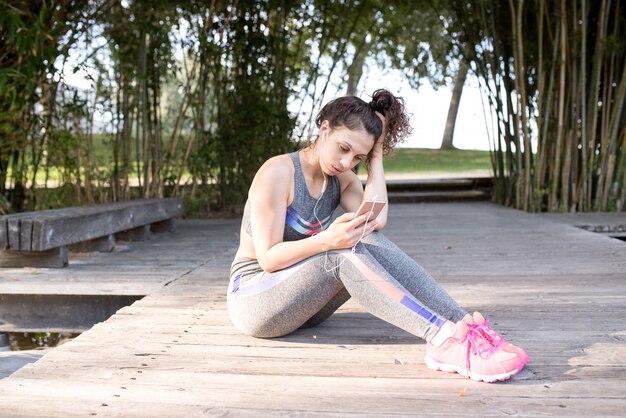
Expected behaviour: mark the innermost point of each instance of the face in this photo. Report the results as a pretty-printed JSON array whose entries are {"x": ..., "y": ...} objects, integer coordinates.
[{"x": 341, "y": 149}]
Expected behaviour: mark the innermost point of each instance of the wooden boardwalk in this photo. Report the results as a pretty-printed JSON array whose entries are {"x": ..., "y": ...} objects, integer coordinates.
[{"x": 554, "y": 289}]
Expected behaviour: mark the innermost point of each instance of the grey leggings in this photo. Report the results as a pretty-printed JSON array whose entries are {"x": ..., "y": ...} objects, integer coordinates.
[{"x": 379, "y": 275}]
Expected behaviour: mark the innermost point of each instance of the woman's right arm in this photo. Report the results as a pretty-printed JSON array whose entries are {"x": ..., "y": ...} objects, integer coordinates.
[{"x": 269, "y": 195}]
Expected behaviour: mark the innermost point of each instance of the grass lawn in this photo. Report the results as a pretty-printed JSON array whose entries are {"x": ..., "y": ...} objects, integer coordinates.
[
  {"x": 402, "y": 160},
  {"x": 410, "y": 160}
]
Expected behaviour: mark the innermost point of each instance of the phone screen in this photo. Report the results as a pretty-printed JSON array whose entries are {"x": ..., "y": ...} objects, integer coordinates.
[{"x": 373, "y": 206}]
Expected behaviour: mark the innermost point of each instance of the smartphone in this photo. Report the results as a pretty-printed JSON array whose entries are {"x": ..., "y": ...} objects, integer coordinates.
[{"x": 371, "y": 207}]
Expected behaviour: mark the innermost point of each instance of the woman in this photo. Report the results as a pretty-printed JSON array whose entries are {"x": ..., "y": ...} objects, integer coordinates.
[{"x": 294, "y": 267}]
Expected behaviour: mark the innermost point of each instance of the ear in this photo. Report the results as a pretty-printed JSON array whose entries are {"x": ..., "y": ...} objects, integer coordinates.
[{"x": 324, "y": 128}]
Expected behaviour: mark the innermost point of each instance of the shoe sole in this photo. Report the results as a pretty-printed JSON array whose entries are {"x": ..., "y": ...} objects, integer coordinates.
[{"x": 435, "y": 365}]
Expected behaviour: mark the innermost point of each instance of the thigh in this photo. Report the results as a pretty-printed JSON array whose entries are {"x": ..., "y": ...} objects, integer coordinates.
[{"x": 274, "y": 304}]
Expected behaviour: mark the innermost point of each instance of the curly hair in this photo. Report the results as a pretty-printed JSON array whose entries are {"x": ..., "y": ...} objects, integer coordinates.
[{"x": 354, "y": 113}]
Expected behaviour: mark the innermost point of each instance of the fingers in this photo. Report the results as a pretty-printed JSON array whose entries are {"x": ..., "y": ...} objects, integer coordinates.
[
  {"x": 362, "y": 218},
  {"x": 350, "y": 231},
  {"x": 349, "y": 218},
  {"x": 366, "y": 228},
  {"x": 346, "y": 217}
]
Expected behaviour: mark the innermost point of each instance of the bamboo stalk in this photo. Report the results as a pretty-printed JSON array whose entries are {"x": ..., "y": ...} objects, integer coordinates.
[
  {"x": 616, "y": 120},
  {"x": 554, "y": 199},
  {"x": 548, "y": 153},
  {"x": 594, "y": 90},
  {"x": 541, "y": 93},
  {"x": 584, "y": 200},
  {"x": 622, "y": 196},
  {"x": 568, "y": 122},
  {"x": 528, "y": 164}
]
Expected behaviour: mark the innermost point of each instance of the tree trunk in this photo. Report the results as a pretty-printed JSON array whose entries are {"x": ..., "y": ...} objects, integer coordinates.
[
  {"x": 356, "y": 68},
  {"x": 453, "y": 110}
]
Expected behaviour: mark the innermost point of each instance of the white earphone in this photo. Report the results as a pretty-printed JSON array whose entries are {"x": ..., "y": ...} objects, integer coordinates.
[
  {"x": 324, "y": 183},
  {"x": 324, "y": 136}
]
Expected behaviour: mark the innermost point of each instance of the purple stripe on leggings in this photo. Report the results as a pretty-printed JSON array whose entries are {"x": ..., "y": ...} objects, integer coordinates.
[
  {"x": 275, "y": 279},
  {"x": 423, "y": 312},
  {"x": 236, "y": 281}
]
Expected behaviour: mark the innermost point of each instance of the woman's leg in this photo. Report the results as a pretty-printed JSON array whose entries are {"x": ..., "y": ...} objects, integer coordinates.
[
  {"x": 330, "y": 308},
  {"x": 415, "y": 303},
  {"x": 274, "y": 304},
  {"x": 412, "y": 276}
]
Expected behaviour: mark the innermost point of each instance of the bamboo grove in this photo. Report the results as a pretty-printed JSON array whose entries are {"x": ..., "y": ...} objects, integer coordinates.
[
  {"x": 196, "y": 95},
  {"x": 554, "y": 73}
]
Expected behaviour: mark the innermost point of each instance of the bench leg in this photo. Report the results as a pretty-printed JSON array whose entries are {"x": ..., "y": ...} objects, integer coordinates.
[
  {"x": 163, "y": 226},
  {"x": 54, "y": 258},
  {"x": 141, "y": 233},
  {"x": 104, "y": 244}
]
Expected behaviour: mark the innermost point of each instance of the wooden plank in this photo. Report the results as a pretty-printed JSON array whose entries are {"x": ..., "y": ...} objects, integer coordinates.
[
  {"x": 138, "y": 269},
  {"x": 88, "y": 223},
  {"x": 26, "y": 234},
  {"x": 47, "y": 227},
  {"x": 53, "y": 258},
  {"x": 14, "y": 232},
  {"x": 132, "y": 390},
  {"x": 58, "y": 313},
  {"x": 4, "y": 233}
]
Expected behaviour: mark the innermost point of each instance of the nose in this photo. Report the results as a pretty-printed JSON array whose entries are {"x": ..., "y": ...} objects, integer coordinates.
[{"x": 345, "y": 162}]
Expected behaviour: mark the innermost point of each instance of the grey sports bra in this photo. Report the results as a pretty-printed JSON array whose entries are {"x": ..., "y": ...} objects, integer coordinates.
[{"x": 300, "y": 222}]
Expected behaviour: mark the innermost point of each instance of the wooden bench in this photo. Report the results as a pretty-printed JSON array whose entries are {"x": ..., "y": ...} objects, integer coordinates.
[{"x": 43, "y": 238}]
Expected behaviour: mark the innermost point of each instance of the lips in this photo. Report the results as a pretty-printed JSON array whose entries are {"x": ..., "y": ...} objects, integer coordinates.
[{"x": 334, "y": 170}]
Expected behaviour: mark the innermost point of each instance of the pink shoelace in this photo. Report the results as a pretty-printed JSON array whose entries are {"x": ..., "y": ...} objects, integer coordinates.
[
  {"x": 481, "y": 338},
  {"x": 489, "y": 334}
]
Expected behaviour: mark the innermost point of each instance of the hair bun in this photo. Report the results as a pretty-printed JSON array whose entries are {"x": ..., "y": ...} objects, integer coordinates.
[
  {"x": 394, "y": 111},
  {"x": 382, "y": 100}
]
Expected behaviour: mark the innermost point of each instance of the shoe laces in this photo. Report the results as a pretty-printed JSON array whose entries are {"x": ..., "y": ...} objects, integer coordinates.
[
  {"x": 489, "y": 334},
  {"x": 481, "y": 339}
]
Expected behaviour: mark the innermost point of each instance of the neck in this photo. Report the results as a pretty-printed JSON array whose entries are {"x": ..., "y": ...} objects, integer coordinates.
[{"x": 311, "y": 163}]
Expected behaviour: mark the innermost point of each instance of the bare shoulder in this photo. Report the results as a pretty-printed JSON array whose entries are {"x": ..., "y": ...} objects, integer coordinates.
[
  {"x": 276, "y": 167},
  {"x": 274, "y": 173}
]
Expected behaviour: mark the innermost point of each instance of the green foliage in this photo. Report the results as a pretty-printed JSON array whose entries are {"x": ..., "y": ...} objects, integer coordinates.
[
  {"x": 198, "y": 94},
  {"x": 32, "y": 38},
  {"x": 33, "y": 340}
]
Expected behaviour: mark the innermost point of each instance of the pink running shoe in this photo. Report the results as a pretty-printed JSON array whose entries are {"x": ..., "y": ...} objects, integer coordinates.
[
  {"x": 471, "y": 354},
  {"x": 489, "y": 334}
]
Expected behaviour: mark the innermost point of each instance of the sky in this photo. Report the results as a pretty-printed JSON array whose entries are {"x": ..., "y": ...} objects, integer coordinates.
[{"x": 429, "y": 110}]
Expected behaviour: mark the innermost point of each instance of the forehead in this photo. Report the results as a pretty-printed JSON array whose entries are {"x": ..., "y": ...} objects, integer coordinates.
[{"x": 359, "y": 140}]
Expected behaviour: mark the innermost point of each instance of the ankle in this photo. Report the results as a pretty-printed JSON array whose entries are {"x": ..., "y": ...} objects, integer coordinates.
[{"x": 446, "y": 331}]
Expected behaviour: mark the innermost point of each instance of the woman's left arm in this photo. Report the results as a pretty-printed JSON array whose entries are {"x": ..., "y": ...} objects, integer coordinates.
[{"x": 375, "y": 186}]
